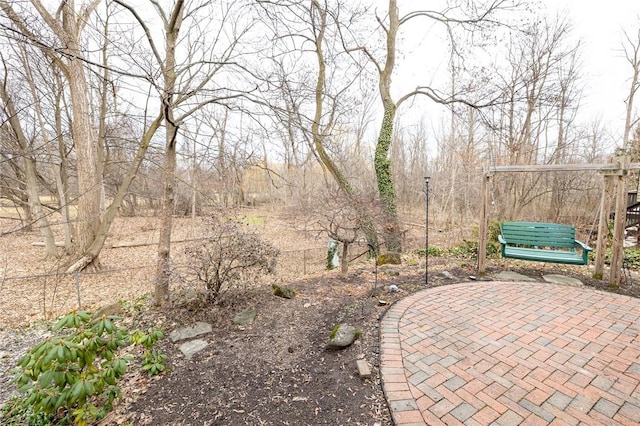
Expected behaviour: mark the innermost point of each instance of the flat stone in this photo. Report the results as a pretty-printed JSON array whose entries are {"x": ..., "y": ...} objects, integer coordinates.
[
  {"x": 562, "y": 279},
  {"x": 512, "y": 276},
  {"x": 192, "y": 347},
  {"x": 190, "y": 332},
  {"x": 245, "y": 317},
  {"x": 363, "y": 369}
]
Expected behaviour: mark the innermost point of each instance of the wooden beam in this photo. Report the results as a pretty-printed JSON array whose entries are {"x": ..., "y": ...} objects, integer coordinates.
[{"x": 604, "y": 167}]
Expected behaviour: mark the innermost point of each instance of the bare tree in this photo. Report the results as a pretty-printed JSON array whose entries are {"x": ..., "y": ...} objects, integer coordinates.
[
  {"x": 631, "y": 48},
  {"x": 185, "y": 84},
  {"x": 319, "y": 103},
  {"x": 61, "y": 43},
  {"x": 540, "y": 96},
  {"x": 25, "y": 148},
  {"x": 475, "y": 17}
]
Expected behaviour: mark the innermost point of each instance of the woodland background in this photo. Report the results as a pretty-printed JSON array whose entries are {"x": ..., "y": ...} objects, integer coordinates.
[{"x": 168, "y": 109}]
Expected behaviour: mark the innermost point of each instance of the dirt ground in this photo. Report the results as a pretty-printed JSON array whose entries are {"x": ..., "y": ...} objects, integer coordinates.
[{"x": 275, "y": 371}]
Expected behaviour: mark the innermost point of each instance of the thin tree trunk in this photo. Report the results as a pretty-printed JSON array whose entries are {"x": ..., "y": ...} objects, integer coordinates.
[
  {"x": 163, "y": 265},
  {"x": 633, "y": 57},
  {"x": 35, "y": 209},
  {"x": 62, "y": 176}
]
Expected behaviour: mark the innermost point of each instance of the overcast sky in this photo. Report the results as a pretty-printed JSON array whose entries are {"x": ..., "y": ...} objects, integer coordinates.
[
  {"x": 600, "y": 25},
  {"x": 605, "y": 75}
]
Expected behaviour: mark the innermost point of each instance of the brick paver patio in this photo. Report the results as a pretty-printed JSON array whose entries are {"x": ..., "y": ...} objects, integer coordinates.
[{"x": 511, "y": 353}]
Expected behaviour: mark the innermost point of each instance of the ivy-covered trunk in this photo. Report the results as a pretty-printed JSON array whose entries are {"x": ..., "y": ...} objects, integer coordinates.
[{"x": 391, "y": 230}]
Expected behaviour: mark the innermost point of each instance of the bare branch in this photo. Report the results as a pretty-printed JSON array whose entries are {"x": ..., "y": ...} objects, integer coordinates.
[{"x": 146, "y": 30}]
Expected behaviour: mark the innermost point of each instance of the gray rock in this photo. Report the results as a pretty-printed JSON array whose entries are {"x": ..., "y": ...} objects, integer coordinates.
[
  {"x": 188, "y": 298},
  {"x": 109, "y": 310},
  {"x": 283, "y": 291},
  {"x": 190, "y": 332},
  {"x": 342, "y": 336},
  {"x": 245, "y": 317},
  {"x": 363, "y": 369},
  {"x": 192, "y": 347},
  {"x": 562, "y": 279},
  {"x": 512, "y": 276},
  {"x": 446, "y": 274}
]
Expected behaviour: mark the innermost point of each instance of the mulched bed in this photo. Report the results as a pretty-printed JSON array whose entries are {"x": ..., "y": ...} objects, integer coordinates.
[{"x": 277, "y": 370}]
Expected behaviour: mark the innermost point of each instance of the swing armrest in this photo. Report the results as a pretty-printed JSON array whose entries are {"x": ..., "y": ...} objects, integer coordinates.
[
  {"x": 585, "y": 251},
  {"x": 583, "y": 246},
  {"x": 503, "y": 244}
]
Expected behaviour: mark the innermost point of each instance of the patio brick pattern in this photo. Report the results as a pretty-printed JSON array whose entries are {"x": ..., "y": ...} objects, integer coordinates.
[{"x": 511, "y": 353}]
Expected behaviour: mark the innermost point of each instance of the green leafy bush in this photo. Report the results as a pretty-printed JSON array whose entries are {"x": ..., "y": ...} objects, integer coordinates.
[
  {"x": 73, "y": 378},
  {"x": 469, "y": 249},
  {"x": 632, "y": 258},
  {"x": 464, "y": 250},
  {"x": 433, "y": 251}
]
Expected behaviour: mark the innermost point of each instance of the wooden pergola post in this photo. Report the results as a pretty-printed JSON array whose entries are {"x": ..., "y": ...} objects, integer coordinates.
[
  {"x": 603, "y": 226},
  {"x": 484, "y": 221},
  {"x": 617, "y": 246}
]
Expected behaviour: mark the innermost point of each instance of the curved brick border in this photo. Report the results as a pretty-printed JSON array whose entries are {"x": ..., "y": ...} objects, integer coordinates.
[{"x": 509, "y": 353}]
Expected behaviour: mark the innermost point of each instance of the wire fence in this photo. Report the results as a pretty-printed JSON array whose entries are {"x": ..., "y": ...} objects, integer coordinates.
[{"x": 26, "y": 299}]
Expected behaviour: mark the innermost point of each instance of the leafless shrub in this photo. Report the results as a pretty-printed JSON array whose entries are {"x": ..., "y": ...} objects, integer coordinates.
[
  {"x": 228, "y": 257},
  {"x": 339, "y": 216}
]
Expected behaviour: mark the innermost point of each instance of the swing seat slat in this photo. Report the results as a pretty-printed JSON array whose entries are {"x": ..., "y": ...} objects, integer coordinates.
[{"x": 542, "y": 242}]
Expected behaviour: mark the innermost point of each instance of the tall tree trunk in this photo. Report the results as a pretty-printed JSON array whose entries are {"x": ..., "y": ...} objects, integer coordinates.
[
  {"x": 163, "y": 265},
  {"x": 382, "y": 164},
  {"x": 391, "y": 229},
  {"x": 84, "y": 138}
]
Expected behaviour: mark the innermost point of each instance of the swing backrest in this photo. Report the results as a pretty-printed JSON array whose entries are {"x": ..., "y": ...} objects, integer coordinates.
[{"x": 539, "y": 234}]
